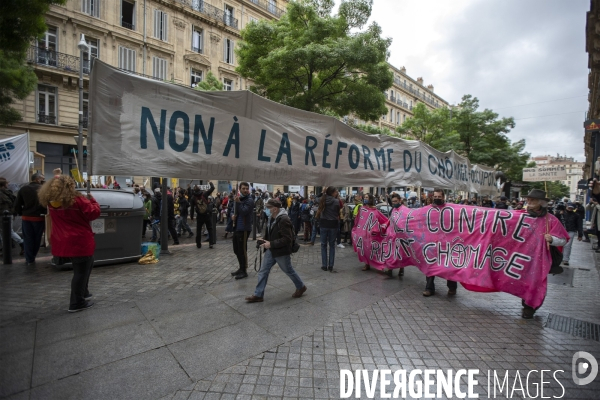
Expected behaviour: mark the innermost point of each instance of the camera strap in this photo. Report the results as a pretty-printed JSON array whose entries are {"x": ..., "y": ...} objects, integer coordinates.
[{"x": 258, "y": 255}]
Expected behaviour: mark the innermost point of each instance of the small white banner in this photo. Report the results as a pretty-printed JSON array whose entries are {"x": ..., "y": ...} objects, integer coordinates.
[{"x": 549, "y": 173}]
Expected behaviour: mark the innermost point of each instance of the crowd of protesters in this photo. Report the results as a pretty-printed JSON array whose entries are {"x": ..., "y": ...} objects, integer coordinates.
[{"x": 328, "y": 215}]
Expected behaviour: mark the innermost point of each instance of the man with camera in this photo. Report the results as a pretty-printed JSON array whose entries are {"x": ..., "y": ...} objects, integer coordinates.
[{"x": 279, "y": 238}]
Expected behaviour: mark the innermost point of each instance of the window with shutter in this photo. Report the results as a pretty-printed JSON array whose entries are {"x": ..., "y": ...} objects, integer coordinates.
[
  {"x": 159, "y": 68},
  {"x": 228, "y": 53},
  {"x": 197, "y": 39},
  {"x": 126, "y": 59},
  {"x": 160, "y": 25},
  {"x": 91, "y": 7}
]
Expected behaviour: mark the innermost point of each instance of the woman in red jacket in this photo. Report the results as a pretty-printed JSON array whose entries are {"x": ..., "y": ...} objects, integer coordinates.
[{"x": 72, "y": 236}]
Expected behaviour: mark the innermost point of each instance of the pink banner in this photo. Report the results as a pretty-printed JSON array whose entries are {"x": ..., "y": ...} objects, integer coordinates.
[{"x": 484, "y": 249}]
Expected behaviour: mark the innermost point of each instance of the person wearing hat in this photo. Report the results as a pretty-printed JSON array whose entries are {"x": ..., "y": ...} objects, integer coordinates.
[
  {"x": 574, "y": 226},
  {"x": 555, "y": 233},
  {"x": 277, "y": 246}
]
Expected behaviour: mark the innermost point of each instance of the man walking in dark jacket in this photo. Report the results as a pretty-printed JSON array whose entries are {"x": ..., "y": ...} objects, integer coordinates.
[
  {"x": 7, "y": 203},
  {"x": 574, "y": 225},
  {"x": 202, "y": 206},
  {"x": 242, "y": 222},
  {"x": 32, "y": 214},
  {"x": 182, "y": 224},
  {"x": 278, "y": 248}
]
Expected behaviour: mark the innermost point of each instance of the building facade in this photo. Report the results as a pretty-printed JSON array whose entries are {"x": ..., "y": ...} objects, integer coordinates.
[{"x": 178, "y": 41}]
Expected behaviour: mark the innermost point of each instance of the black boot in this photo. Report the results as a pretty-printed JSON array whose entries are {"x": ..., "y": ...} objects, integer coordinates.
[
  {"x": 239, "y": 271},
  {"x": 241, "y": 275}
]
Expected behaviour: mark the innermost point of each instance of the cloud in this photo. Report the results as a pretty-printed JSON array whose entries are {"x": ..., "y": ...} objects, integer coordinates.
[{"x": 507, "y": 53}]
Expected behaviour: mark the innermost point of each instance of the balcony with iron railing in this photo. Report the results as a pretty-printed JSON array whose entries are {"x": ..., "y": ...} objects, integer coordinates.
[
  {"x": 53, "y": 59},
  {"x": 127, "y": 25},
  {"x": 269, "y": 6},
  {"x": 211, "y": 11},
  {"x": 46, "y": 119}
]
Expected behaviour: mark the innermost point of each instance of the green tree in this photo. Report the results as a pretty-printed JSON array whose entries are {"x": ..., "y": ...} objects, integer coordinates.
[
  {"x": 211, "y": 83},
  {"x": 554, "y": 189},
  {"x": 375, "y": 130},
  {"x": 433, "y": 127},
  {"x": 315, "y": 61},
  {"x": 482, "y": 135},
  {"x": 21, "y": 21}
]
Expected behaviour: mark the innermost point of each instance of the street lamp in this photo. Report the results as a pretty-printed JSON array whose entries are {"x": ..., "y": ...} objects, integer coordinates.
[{"x": 83, "y": 46}]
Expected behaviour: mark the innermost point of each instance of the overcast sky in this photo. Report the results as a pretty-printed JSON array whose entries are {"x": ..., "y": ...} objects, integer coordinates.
[{"x": 507, "y": 53}]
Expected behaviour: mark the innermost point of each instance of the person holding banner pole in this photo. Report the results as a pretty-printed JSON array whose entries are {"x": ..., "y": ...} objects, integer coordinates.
[
  {"x": 537, "y": 207},
  {"x": 396, "y": 203},
  {"x": 368, "y": 202},
  {"x": 439, "y": 199},
  {"x": 242, "y": 221}
]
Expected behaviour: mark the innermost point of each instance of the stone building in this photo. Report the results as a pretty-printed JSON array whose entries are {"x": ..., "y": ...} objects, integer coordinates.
[{"x": 178, "y": 41}]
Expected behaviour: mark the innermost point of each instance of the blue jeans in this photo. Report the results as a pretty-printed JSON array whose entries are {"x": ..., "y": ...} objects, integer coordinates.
[
  {"x": 313, "y": 235},
  {"x": 285, "y": 263},
  {"x": 328, "y": 236},
  {"x": 32, "y": 238}
]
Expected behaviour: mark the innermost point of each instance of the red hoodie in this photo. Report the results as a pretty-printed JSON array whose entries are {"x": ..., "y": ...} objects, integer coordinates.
[{"x": 72, "y": 234}]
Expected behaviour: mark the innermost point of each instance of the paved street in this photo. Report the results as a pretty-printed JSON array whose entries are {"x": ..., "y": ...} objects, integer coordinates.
[{"x": 180, "y": 329}]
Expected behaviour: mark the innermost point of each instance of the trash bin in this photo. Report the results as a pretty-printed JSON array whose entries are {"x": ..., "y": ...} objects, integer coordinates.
[{"x": 118, "y": 230}]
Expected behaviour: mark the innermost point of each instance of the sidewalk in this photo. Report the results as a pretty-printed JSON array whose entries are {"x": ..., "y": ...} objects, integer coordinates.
[{"x": 180, "y": 329}]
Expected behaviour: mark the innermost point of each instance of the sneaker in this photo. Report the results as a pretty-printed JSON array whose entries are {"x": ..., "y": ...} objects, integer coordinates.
[
  {"x": 88, "y": 296},
  {"x": 566, "y": 263},
  {"x": 324, "y": 268},
  {"x": 341, "y": 246},
  {"x": 87, "y": 305},
  {"x": 299, "y": 292}
]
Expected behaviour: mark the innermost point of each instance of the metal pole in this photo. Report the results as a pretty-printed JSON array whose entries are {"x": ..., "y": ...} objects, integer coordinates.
[
  {"x": 80, "y": 126},
  {"x": 254, "y": 220},
  {"x": 6, "y": 239},
  {"x": 213, "y": 234},
  {"x": 164, "y": 220}
]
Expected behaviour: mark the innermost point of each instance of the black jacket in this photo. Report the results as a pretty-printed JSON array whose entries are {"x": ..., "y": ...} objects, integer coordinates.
[
  {"x": 7, "y": 201},
  {"x": 27, "y": 203},
  {"x": 572, "y": 222},
  {"x": 202, "y": 195},
  {"x": 330, "y": 216},
  {"x": 280, "y": 235},
  {"x": 245, "y": 209},
  {"x": 183, "y": 206},
  {"x": 156, "y": 206}
]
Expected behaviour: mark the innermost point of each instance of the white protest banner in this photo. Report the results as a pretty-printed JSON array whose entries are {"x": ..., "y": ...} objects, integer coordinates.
[
  {"x": 141, "y": 125},
  {"x": 14, "y": 158},
  {"x": 546, "y": 173}
]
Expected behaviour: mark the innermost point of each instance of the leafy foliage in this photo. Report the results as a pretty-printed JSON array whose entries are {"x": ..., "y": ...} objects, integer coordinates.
[
  {"x": 433, "y": 127},
  {"x": 310, "y": 60},
  {"x": 211, "y": 83},
  {"x": 21, "y": 21},
  {"x": 478, "y": 135},
  {"x": 555, "y": 190},
  {"x": 375, "y": 130}
]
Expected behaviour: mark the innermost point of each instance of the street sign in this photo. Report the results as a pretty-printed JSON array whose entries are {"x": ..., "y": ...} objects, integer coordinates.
[{"x": 546, "y": 173}]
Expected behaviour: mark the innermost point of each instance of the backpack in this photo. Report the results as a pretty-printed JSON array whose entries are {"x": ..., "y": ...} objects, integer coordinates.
[
  {"x": 305, "y": 214},
  {"x": 201, "y": 206}
]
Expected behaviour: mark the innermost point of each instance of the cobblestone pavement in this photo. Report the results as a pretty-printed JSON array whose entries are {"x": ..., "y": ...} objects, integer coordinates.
[{"x": 180, "y": 330}]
